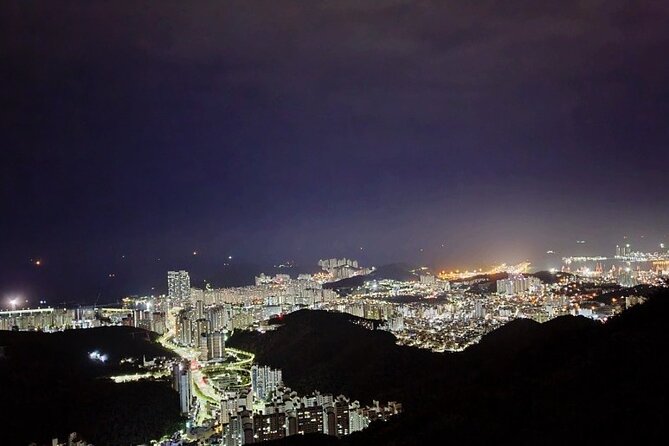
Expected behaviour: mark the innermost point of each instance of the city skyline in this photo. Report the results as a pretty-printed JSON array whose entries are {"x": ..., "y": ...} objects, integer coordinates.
[
  {"x": 233, "y": 275},
  {"x": 121, "y": 278}
]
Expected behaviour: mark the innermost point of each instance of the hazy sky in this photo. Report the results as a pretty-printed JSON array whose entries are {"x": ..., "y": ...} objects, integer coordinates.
[{"x": 272, "y": 130}]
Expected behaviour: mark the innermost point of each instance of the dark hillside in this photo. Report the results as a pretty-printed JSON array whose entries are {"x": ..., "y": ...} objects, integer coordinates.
[
  {"x": 51, "y": 375},
  {"x": 326, "y": 351},
  {"x": 71, "y": 347},
  {"x": 567, "y": 379}
]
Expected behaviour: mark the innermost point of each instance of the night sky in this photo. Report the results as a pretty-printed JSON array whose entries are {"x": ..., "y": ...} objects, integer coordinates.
[{"x": 475, "y": 131}]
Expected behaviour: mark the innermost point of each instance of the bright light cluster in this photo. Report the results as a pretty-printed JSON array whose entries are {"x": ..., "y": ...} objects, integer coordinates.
[{"x": 97, "y": 356}]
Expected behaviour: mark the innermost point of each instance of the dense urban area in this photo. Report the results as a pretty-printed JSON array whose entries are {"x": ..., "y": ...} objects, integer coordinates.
[{"x": 226, "y": 397}]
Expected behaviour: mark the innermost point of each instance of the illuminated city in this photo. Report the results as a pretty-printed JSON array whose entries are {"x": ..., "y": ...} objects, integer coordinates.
[
  {"x": 333, "y": 223},
  {"x": 230, "y": 399}
]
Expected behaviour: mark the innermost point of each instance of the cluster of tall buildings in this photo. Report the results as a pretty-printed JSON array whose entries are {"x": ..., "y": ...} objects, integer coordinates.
[
  {"x": 379, "y": 311},
  {"x": 342, "y": 268},
  {"x": 284, "y": 413},
  {"x": 203, "y": 332},
  {"x": 142, "y": 318},
  {"x": 479, "y": 309},
  {"x": 208, "y": 313},
  {"x": 427, "y": 286},
  {"x": 623, "y": 251},
  {"x": 625, "y": 272},
  {"x": 280, "y": 289},
  {"x": 518, "y": 284},
  {"x": 45, "y": 319},
  {"x": 57, "y": 319},
  {"x": 264, "y": 381},
  {"x": 428, "y": 279}
]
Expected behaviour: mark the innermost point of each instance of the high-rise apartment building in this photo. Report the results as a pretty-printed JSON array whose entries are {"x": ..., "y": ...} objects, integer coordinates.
[
  {"x": 158, "y": 322},
  {"x": 264, "y": 380},
  {"x": 185, "y": 330},
  {"x": 182, "y": 384},
  {"x": 215, "y": 345},
  {"x": 479, "y": 310},
  {"x": 178, "y": 285},
  {"x": 309, "y": 420},
  {"x": 270, "y": 426},
  {"x": 518, "y": 284}
]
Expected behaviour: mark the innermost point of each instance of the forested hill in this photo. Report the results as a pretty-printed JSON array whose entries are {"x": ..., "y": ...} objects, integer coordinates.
[
  {"x": 569, "y": 378},
  {"x": 50, "y": 387}
]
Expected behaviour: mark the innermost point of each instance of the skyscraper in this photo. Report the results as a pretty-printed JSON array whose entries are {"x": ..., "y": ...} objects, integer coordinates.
[
  {"x": 185, "y": 330},
  {"x": 199, "y": 309},
  {"x": 158, "y": 322},
  {"x": 182, "y": 384},
  {"x": 479, "y": 310},
  {"x": 215, "y": 345},
  {"x": 178, "y": 285}
]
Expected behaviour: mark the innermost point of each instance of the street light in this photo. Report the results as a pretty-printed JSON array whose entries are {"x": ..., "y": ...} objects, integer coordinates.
[{"x": 13, "y": 303}]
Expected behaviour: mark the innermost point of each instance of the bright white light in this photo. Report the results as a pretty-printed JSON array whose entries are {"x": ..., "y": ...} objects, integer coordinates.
[
  {"x": 13, "y": 302},
  {"x": 96, "y": 356}
]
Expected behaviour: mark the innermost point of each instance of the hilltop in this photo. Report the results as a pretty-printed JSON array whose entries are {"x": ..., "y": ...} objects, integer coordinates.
[{"x": 341, "y": 356}]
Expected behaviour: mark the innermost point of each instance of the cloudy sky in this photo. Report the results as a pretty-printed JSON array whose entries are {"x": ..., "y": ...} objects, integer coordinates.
[{"x": 435, "y": 132}]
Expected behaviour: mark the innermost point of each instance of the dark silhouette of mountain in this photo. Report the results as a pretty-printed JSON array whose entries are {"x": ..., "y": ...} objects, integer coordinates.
[
  {"x": 50, "y": 387},
  {"x": 483, "y": 283},
  {"x": 341, "y": 355},
  {"x": 569, "y": 379},
  {"x": 348, "y": 283},
  {"x": 487, "y": 283},
  {"x": 394, "y": 271},
  {"x": 520, "y": 333},
  {"x": 482, "y": 278},
  {"x": 620, "y": 292},
  {"x": 551, "y": 278},
  {"x": 72, "y": 347}
]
